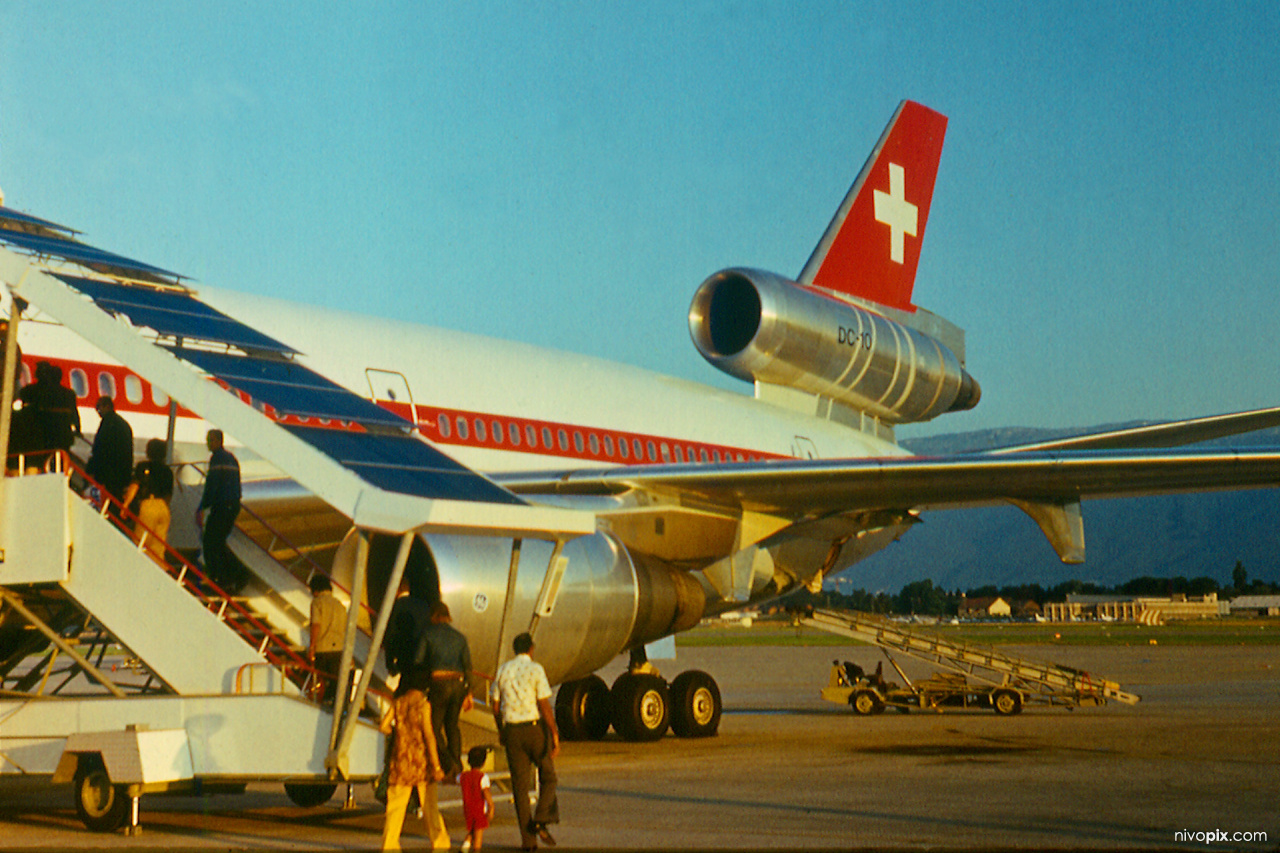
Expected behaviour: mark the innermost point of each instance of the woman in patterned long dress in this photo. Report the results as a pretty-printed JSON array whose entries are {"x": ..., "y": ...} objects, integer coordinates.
[{"x": 414, "y": 764}]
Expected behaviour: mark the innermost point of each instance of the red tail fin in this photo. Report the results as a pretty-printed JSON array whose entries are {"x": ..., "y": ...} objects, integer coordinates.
[{"x": 872, "y": 246}]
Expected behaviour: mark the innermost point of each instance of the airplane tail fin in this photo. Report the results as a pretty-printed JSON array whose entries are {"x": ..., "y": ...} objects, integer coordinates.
[{"x": 871, "y": 249}]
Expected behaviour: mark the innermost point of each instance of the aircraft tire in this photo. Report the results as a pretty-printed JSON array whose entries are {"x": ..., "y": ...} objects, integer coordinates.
[
  {"x": 695, "y": 704},
  {"x": 309, "y": 796},
  {"x": 865, "y": 702},
  {"x": 100, "y": 805},
  {"x": 583, "y": 710},
  {"x": 641, "y": 706},
  {"x": 1006, "y": 702}
]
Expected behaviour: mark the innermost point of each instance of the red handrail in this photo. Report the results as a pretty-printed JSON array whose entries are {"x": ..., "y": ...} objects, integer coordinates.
[
  {"x": 273, "y": 647},
  {"x": 315, "y": 568}
]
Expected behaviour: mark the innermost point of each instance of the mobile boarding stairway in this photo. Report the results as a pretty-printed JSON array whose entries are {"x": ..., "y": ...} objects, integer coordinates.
[
  {"x": 180, "y": 685},
  {"x": 978, "y": 674},
  {"x": 129, "y": 674}
]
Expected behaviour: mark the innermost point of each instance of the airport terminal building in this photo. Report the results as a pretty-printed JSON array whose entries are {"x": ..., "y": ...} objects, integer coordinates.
[{"x": 1126, "y": 608}]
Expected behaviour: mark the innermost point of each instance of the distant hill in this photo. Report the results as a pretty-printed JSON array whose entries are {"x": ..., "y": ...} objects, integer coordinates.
[{"x": 1168, "y": 536}]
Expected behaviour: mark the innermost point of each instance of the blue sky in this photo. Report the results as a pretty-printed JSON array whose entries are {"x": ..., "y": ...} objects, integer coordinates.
[{"x": 1106, "y": 223}]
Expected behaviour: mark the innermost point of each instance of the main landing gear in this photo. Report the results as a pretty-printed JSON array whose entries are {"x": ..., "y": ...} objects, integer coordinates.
[{"x": 640, "y": 706}]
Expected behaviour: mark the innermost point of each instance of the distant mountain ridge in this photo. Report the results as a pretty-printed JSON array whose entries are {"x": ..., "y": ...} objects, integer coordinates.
[{"x": 1200, "y": 535}]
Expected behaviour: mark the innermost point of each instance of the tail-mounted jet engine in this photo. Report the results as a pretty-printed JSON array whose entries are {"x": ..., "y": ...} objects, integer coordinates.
[{"x": 762, "y": 327}]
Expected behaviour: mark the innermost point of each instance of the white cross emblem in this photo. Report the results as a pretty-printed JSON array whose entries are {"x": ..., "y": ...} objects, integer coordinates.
[{"x": 893, "y": 209}]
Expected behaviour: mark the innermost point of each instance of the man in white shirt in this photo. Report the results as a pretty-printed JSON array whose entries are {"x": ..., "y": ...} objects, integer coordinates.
[{"x": 521, "y": 702}]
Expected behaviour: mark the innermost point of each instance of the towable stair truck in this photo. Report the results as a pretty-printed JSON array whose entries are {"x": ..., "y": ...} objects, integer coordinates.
[{"x": 976, "y": 675}]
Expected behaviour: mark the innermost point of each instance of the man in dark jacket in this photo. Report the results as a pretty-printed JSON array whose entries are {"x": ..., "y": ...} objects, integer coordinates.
[
  {"x": 405, "y": 655},
  {"x": 222, "y": 500},
  {"x": 55, "y": 412},
  {"x": 111, "y": 461},
  {"x": 449, "y": 657}
]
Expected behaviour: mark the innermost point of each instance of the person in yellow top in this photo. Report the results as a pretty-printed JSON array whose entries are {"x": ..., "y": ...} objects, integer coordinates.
[
  {"x": 148, "y": 498},
  {"x": 328, "y": 628}
]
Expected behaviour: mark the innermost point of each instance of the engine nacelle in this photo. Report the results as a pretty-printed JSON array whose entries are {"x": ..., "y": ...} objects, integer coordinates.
[
  {"x": 601, "y": 600},
  {"x": 762, "y": 327}
]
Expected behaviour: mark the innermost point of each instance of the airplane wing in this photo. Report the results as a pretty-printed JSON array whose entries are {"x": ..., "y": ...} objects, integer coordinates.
[
  {"x": 807, "y": 488},
  {"x": 1048, "y": 484}
]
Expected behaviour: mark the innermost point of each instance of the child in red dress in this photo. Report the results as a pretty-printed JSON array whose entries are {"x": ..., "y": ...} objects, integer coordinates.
[{"x": 477, "y": 801}]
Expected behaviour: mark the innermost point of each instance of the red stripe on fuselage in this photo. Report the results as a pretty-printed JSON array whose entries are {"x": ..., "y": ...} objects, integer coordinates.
[
  {"x": 449, "y": 427},
  {"x": 90, "y": 381}
]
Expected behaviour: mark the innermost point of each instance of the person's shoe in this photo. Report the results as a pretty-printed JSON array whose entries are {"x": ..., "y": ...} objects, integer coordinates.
[{"x": 540, "y": 829}]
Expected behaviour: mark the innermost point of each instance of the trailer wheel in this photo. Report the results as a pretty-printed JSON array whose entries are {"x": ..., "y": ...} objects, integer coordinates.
[
  {"x": 695, "y": 704},
  {"x": 100, "y": 805},
  {"x": 1006, "y": 702},
  {"x": 309, "y": 796},
  {"x": 865, "y": 702}
]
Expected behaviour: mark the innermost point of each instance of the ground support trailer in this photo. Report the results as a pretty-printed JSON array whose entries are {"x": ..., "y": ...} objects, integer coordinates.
[{"x": 976, "y": 675}]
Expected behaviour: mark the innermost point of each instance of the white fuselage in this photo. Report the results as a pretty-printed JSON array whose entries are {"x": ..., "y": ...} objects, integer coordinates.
[{"x": 494, "y": 405}]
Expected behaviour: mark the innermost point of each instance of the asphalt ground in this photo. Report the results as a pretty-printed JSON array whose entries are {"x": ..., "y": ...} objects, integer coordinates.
[{"x": 1200, "y": 754}]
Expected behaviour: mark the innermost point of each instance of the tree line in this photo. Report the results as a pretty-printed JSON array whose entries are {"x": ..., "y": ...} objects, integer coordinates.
[{"x": 925, "y": 599}]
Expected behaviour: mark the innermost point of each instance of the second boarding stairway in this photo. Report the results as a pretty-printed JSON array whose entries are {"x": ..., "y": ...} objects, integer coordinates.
[{"x": 1033, "y": 681}]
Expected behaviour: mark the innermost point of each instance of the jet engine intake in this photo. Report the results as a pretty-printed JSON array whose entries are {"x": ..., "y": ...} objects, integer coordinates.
[{"x": 761, "y": 327}]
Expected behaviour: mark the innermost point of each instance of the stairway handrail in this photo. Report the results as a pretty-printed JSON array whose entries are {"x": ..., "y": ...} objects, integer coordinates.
[
  {"x": 285, "y": 658},
  {"x": 314, "y": 567}
]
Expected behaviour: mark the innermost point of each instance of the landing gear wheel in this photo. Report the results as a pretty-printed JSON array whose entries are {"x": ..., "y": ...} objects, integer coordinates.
[
  {"x": 865, "y": 703},
  {"x": 695, "y": 704},
  {"x": 100, "y": 805},
  {"x": 583, "y": 711},
  {"x": 309, "y": 796},
  {"x": 1006, "y": 702},
  {"x": 641, "y": 706}
]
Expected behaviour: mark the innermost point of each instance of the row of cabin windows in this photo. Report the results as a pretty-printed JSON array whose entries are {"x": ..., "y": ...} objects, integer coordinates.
[
  {"x": 106, "y": 387},
  {"x": 513, "y": 435},
  {"x": 560, "y": 439}
]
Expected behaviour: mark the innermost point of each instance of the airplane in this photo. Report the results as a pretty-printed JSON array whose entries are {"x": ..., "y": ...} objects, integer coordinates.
[{"x": 702, "y": 501}]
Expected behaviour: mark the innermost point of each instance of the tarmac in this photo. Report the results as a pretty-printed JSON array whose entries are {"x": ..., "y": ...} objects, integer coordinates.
[{"x": 1198, "y": 756}]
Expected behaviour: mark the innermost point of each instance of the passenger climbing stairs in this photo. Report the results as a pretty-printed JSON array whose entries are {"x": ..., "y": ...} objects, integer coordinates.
[
  {"x": 143, "y": 673},
  {"x": 113, "y": 592}
]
